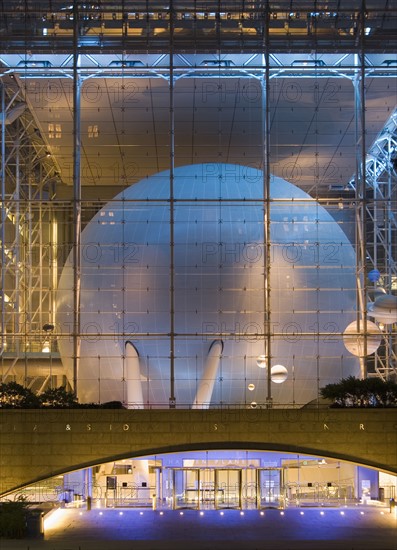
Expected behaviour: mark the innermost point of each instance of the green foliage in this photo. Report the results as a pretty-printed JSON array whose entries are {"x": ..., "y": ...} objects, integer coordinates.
[
  {"x": 13, "y": 518},
  {"x": 58, "y": 398},
  {"x": 356, "y": 392},
  {"x": 15, "y": 396}
]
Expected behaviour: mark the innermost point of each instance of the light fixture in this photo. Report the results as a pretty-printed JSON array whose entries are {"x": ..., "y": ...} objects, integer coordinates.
[
  {"x": 48, "y": 328},
  {"x": 251, "y": 387},
  {"x": 254, "y": 404},
  {"x": 46, "y": 347},
  {"x": 261, "y": 361}
]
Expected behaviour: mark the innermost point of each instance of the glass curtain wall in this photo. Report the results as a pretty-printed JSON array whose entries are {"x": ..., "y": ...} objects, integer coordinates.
[{"x": 195, "y": 226}]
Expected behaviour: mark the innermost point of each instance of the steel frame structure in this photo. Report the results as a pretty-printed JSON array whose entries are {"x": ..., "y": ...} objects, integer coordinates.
[
  {"x": 188, "y": 39},
  {"x": 28, "y": 233}
]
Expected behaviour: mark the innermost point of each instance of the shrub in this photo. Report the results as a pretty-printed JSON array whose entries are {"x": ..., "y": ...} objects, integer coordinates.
[
  {"x": 13, "y": 518},
  {"x": 356, "y": 392},
  {"x": 58, "y": 398},
  {"x": 15, "y": 396}
]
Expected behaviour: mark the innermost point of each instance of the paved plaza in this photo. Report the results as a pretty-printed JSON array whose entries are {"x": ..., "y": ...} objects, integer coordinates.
[{"x": 354, "y": 528}]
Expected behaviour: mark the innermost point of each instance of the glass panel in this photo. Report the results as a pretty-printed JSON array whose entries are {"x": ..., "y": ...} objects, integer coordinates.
[
  {"x": 228, "y": 488},
  {"x": 270, "y": 489}
]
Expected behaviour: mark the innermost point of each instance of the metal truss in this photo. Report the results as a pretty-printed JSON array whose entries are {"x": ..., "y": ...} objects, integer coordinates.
[
  {"x": 193, "y": 65},
  {"x": 381, "y": 229},
  {"x": 28, "y": 233}
]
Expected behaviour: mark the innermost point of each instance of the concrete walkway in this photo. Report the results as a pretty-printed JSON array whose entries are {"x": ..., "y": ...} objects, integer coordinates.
[{"x": 356, "y": 528}]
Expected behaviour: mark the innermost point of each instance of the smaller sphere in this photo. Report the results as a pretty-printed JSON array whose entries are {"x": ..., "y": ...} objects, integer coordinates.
[
  {"x": 261, "y": 361},
  {"x": 354, "y": 339},
  {"x": 279, "y": 374},
  {"x": 254, "y": 404},
  {"x": 251, "y": 387},
  {"x": 374, "y": 275}
]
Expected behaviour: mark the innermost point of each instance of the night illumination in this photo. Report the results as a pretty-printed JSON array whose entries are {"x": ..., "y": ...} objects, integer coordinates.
[{"x": 295, "y": 231}]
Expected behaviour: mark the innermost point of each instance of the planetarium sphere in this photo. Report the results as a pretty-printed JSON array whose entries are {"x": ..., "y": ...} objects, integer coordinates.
[{"x": 212, "y": 278}]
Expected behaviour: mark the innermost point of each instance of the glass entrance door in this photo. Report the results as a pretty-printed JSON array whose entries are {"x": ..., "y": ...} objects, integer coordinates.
[
  {"x": 269, "y": 484},
  {"x": 228, "y": 487},
  {"x": 186, "y": 488}
]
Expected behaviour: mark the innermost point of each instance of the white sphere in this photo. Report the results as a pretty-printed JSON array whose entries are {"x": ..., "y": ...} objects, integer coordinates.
[
  {"x": 354, "y": 338},
  {"x": 279, "y": 374},
  {"x": 218, "y": 284},
  {"x": 251, "y": 387},
  {"x": 384, "y": 309},
  {"x": 261, "y": 361}
]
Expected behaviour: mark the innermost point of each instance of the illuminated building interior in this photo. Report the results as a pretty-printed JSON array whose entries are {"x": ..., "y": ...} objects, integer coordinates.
[
  {"x": 216, "y": 480},
  {"x": 198, "y": 211}
]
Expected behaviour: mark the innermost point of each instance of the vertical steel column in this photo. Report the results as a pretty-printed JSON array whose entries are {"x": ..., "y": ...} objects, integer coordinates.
[
  {"x": 266, "y": 205},
  {"x": 388, "y": 206},
  {"x": 361, "y": 194},
  {"x": 172, "y": 205},
  {"x": 3, "y": 218},
  {"x": 76, "y": 200},
  {"x": 18, "y": 243}
]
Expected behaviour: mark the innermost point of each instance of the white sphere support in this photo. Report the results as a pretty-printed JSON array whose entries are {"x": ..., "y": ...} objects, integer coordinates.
[
  {"x": 134, "y": 384},
  {"x": 207, "y": 382}
]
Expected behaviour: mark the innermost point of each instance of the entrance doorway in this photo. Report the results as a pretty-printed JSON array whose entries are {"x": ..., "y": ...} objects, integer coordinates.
[
  {"x": 270, "y": 488},
  {"x": 210, "y": 488}
]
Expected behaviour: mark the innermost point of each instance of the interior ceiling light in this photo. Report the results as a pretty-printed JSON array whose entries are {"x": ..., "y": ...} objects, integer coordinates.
[
  {"x": 34, "y": 63},
  {"x": 217, "y": 63},
  {"x": 127, "y": 63},
  {"x": 309, "y": 62}
]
